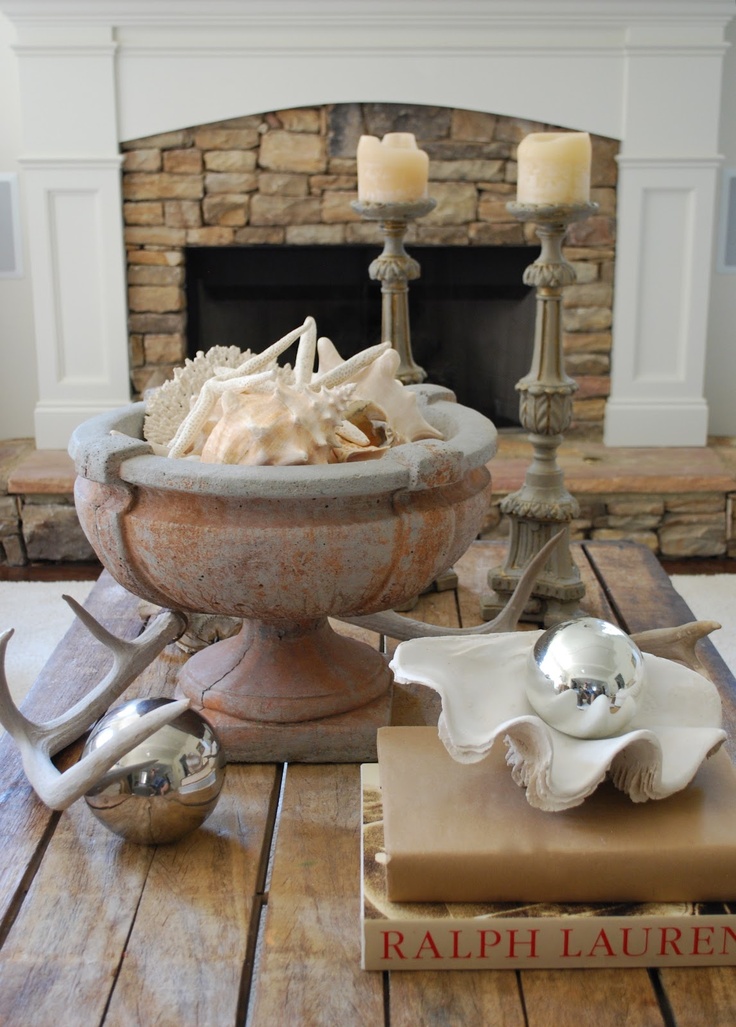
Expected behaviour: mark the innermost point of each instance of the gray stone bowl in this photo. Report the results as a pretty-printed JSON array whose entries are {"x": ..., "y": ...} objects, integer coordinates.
[{"x": 284, "y": 548}]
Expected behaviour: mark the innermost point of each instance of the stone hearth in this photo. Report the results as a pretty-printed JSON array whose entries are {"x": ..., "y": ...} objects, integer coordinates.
[{"x": 680, "y": 503}]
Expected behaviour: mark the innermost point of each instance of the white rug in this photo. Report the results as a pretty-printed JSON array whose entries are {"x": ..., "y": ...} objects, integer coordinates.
[
  {"x": 40, "y": 618},
  {"x": 713, "y": 597}
]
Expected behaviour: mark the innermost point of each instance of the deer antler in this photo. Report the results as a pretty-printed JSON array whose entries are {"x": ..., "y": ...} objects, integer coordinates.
[
  {"x": 677, "y": 643},
  {"x": 38, "y": 742},
  {"x": 397, "y": 626}
]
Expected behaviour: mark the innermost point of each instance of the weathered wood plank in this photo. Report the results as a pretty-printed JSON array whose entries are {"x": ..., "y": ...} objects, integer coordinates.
[
  {"x": 701, "y": 996},
  {"x": 60, "y": 958},
  {"x": 595, "y": 602},
  {"x": 184, "y": 960},
  {"x": 309, "y": 967},
  {"x": 606, "y": 998},
  {"x": 456, "y": 998},
  {"x": 637, "y": 586}
]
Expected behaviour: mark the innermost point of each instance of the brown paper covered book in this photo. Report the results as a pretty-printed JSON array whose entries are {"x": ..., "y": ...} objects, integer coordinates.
[
  {"x": 465, "y": 833},
  {"x": 532, "y": 935}
]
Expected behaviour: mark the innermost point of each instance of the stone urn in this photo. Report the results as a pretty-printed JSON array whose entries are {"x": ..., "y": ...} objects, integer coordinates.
[{"x": 285, "y": 548}]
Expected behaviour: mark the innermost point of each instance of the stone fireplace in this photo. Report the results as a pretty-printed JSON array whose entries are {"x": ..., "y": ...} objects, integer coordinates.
[
  {"x": 253, "y": 216},
  {"x": 95, "y": 76}
]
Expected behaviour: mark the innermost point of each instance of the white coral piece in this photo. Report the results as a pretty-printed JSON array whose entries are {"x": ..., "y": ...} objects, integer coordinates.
[
  {"x": 481, "y": 682},
  {"x": 167, "y": 406}
]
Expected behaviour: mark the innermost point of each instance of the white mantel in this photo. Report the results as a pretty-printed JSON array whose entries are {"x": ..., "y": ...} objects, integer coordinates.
[{"x": 96, "y": 72}]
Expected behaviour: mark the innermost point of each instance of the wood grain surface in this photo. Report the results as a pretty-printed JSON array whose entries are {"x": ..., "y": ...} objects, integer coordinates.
[{"x": 254, "y": 919}]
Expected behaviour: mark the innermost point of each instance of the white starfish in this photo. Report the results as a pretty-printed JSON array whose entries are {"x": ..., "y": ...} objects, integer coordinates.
[{"x": 231, "y": 378}]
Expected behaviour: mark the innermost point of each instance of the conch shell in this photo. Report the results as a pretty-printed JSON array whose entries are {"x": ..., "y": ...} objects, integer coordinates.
[
  {"x": 286, "y": 426},
  {"x": 243, "y": 408}
]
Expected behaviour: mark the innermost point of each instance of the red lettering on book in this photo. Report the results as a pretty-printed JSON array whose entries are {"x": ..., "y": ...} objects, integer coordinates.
[
  {"x": 728, "y": 932},
  {"x": 532, "y": 943},
  {"x": 703, "y": 936},
  {"x": 566, "y": 932},
  {"x": 626, "y": 931},
  {"x": 392, "y": 940},
  {"x": 602, "y": 942},
  {"x": 669, "y": 936},
  {"x": 455, "y": 953},
  {"x": 485, "y": 944},
  {"x": 428, "y": 943}
]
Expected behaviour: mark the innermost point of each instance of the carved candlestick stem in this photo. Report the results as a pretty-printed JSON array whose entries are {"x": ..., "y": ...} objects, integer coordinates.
[
  {"x": 542, "y": 507},
  {"x": 394, "y": 269}
]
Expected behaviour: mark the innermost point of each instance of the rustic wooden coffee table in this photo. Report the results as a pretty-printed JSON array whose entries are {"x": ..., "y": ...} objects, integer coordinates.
[{"x": 254, "y": 918}]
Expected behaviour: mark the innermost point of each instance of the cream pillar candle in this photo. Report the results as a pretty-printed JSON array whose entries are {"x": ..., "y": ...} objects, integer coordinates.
[
  {"x": 554, "y": 167},
  {"x": 392, "y": 169}
]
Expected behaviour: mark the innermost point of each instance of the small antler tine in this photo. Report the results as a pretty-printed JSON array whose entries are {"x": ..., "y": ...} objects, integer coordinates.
[
  {"x": 508, "y": 618},
  {"x": 399, "y": 627},
  {"x": 10, "y": 716},
  {"x": 129, "y": 659},
  {"x": 93, "y": 626},
  {"x": 678, "y": 643},
  {"x": 59, "y": 790}
]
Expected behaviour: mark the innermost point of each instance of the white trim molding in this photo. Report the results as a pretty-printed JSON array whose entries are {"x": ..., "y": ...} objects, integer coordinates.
[{"x": 726, "y": 262}]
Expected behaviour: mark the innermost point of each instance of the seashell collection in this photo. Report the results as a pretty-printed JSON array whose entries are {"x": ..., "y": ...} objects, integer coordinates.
[{"x": 233, "y": 407}]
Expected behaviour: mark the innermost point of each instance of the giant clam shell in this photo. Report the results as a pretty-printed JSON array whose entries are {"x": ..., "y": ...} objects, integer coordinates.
[{"x": 481, "y": 681}]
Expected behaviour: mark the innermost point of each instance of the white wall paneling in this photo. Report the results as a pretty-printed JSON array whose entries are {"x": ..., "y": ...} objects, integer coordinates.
[
  {"x": 661, "y": 302},
  {"x": 11, "y": 254},
  {"x": 79, "y": 295}
]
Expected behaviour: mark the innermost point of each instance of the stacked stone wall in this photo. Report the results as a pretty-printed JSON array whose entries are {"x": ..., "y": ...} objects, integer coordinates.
[
  {"x": 673, "y": 526},
  {"x": 288, "y": 178}
]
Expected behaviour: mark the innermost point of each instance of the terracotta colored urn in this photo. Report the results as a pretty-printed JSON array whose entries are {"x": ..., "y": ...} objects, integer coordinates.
[{"x": 284, "y": 548}]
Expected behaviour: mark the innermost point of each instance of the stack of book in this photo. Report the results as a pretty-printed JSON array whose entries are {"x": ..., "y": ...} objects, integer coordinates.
[{"x": 458, "y": 872}]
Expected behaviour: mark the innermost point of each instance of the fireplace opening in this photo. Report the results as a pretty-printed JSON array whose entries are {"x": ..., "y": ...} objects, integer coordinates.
[{"x": 471, "y": 317}]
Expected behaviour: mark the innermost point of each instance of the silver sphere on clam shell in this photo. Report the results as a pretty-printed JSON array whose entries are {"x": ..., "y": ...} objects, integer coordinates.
[
  {"x": 585, "y": 678},
  {"x": 167, "y": 785}
]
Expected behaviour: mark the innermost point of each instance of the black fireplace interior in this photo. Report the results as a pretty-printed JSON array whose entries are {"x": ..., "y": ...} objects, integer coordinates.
[{"x": 472, "y": 319}]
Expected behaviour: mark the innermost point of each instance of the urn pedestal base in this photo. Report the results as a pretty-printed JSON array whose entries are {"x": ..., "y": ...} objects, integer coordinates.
[
  {"x": 298, "y": 692},
  {"x": 344, "y": 738}
]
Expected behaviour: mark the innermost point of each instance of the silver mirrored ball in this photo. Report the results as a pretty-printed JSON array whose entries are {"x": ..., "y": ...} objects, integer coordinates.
[
  {"x": 167, "y": 785},
  {"x": 595, "y": 661}
]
